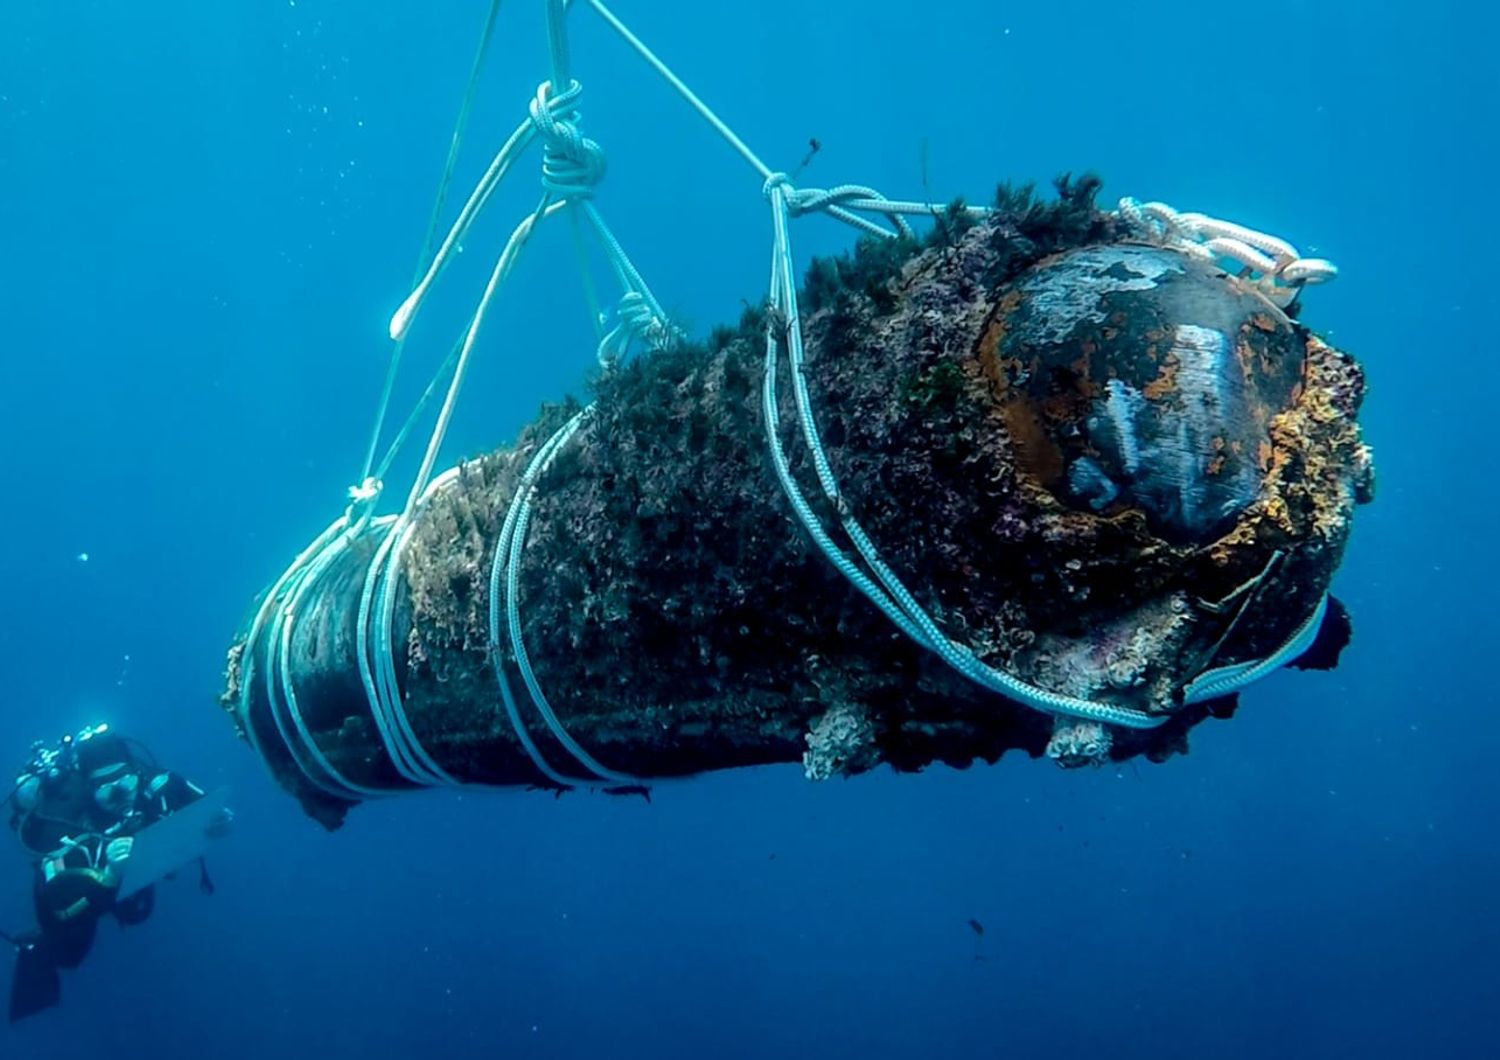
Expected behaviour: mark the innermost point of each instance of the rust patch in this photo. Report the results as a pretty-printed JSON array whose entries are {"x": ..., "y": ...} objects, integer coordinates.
[
  {"x": 1246, "y": 356},
  {"x": 1165, "y": 382},
  {"x": 987, "y": 351},
  {"x": 1036, "y": 453}
]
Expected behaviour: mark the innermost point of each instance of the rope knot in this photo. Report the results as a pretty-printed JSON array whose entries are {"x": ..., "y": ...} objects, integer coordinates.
[
  {"x": 572, "y": 164},
  {"x": 635, "y": 318},
  {"x": 362, "y": 499},
  {"x": 838, "y": 202},
  {"x": 367, "y": 490},
  {"x": 779, "y": 180}
]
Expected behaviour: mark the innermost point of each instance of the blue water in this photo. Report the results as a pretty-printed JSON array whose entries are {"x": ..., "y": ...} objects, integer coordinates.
[{"x": 207, "y": 213}]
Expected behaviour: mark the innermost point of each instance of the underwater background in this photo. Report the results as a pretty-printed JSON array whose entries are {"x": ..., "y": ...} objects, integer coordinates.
[{"x": 207, "y": 214}]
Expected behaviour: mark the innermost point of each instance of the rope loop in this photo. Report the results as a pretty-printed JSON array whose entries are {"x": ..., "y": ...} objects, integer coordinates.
[
  {"x": 572, "y": 164},
  {"x": 805, "y": 200},
  {"x": 840, "y": 203},
  {"x": 636, "y": 317}
]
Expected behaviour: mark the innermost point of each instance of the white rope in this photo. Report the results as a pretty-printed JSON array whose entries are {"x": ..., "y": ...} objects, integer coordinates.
[
  {"x": 339, "y": 784},
  {"x": 382, "y": 710},
  {"x": 499, "y": 166},
  {"x": 376, "y": 634},
  {"x": 269, "y": 608},
  {"x": 276, "y": 618},
  {"x": 507, "y": 562},
  {"x": 1226, "y": 680},
  {"x": 503, "y": 265},
  {"x": 1272, "y": 264},
  {"x": 393, "y": 363},
  {"x": 719, "y": 126},
  {"x": 281, "y": 700}
]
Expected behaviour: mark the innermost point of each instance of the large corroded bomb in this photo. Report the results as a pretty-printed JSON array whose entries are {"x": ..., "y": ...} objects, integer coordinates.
[{"x": 1101, "y": 466}]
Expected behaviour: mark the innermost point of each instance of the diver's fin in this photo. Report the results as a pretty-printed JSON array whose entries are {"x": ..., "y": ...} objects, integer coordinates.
[
  {"x": 36, "y": 986},
  {"x": 1333, "y": 637}
]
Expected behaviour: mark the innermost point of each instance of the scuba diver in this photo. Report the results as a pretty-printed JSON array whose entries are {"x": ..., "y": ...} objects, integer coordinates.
[{"x": 80, "y": 810}]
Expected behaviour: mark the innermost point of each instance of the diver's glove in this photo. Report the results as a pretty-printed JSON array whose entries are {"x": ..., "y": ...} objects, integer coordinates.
[
  {"x": 118, "y": 850},
  {"x": 116, "y": 853}
]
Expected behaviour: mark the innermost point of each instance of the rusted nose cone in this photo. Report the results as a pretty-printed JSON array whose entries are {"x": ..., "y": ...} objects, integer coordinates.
[{"x": 1135, "y": 377}]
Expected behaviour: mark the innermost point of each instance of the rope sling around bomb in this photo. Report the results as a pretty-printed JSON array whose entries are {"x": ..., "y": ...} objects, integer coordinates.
[{"x": 571, "y": 166}]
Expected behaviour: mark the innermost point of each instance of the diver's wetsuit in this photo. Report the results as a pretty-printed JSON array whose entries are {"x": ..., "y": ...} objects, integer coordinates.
[{"x": 80, "y": 824}]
